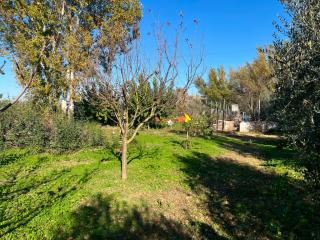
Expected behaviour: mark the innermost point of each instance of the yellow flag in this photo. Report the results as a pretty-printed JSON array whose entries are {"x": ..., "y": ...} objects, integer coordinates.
[{"x": 187, "y": 118}]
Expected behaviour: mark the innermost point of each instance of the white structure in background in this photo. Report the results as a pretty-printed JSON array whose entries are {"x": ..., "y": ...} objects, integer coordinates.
[
  {"x": 245, "y": 127},
  {"x": 235, "y": 108},
  {"x": 67, "y": 105}
]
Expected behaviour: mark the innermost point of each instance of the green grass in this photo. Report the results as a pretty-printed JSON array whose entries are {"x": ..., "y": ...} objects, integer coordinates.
[{"x": 171, "y": 193}]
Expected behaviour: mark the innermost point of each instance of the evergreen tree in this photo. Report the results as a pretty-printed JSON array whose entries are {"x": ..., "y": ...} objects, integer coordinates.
[
  {"x": 217, "y": 92},
  {"x": 217, "y": 88},
  {"x": 296, "y": 63},
  {"x": 252, "y": 85}
]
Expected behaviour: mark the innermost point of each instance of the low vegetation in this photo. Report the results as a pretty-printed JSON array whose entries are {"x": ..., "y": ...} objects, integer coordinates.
[
  {"x": 25, "y": 126},
  {"x": 223, "y": 187}
]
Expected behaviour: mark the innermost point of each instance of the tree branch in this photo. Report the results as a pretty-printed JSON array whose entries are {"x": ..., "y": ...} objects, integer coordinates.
[
  {"x": 32, "y": 75},
  {"x": 140, "y": 125}
]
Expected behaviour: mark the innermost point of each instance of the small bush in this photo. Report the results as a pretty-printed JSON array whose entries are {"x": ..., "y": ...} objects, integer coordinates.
[
  {"x": 27, "y": 130},
  {"x": 93, "y": 135},
  {"x": 200, "y": 126},
  {"x": 66, "y": 135},
  {"x": 21, "y": 126}
]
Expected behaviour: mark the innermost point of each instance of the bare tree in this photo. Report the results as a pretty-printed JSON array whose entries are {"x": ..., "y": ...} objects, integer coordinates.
[{"x": 135, "y": 91}]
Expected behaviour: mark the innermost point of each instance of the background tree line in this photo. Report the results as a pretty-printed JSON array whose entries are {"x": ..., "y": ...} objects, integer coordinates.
[{"x": 250, "y": 86}]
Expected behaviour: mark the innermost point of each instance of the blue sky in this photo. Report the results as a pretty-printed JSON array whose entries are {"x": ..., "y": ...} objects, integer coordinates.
[{"x": 230, "y": 30}]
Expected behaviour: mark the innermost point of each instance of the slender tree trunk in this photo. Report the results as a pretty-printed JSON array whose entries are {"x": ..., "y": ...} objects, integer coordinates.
[
  {"x": 223, "y": 113},
  {"x": 124, "y": 156},
  {"x": 259, "y": 108},
  {"x": 187, "y": 141},
  {"x": 217, "y": 112},
  {"x": 251, "y": 105},
  {"x": 69, "y": 110},
  {"x": 124, "y": 151}
]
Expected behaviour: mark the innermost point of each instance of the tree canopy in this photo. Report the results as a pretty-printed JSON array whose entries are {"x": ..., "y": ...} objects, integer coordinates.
[
  {"x": 53, "y": 43},
  {"x": 296, "y": 63},
  {"x": 217, "y": 87},
  {"x": 252, "y": 84}
]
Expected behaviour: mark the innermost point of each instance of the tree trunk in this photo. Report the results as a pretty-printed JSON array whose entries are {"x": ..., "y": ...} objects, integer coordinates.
[
  {"x": 124, "y": 151},
  {"x": 217, "y": 112},
  {"x": 251, "y": 105},
  {"x": 259, "y": 109},
  {"x": 223, "y": 113},
  {"x": 69, "y": 110},
  {"x": 187, "y": 141}
]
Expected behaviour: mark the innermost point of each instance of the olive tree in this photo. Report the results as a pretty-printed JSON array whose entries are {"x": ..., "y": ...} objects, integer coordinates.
[{"x": 296, "y": 62}]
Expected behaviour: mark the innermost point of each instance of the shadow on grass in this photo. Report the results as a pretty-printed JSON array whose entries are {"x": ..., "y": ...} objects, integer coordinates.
[
  {"x": 7, "y": 158},
  {"x": 23, "y": 199},
  {"x": 136, "y": 151},
  {"x": 261, "y": 139},
  {"x": 106, "y": 218},
  {"x": 139, "y": 152},
  {"x": 179, "y": 143},
  {"x": 263, "y": 148},
  {"x": 249, "y": 203}
]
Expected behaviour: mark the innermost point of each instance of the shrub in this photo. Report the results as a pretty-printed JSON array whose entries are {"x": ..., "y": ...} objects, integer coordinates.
[
  {"x": 66, "y": 135},
  {"x": 200, "y": 126},
  {"x": 26, "y": 127},
  {"x": 21, "y": 126},
  {"x": 27, "y": 131},
  {"x": 93, "y": 135}
]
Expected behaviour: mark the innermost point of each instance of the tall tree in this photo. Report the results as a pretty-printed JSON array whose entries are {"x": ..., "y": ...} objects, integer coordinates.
[
  {"x": 216, "y": 91},
  {"x": 53, "y": 43},
  {"x": 252, "y": 84},
  {"x": 296, "y": 60},
  {"x": 217, "y": 87}
]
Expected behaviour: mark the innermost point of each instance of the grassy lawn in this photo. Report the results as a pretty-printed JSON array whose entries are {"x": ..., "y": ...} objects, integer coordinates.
[{"x": 224, "y": 187}]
